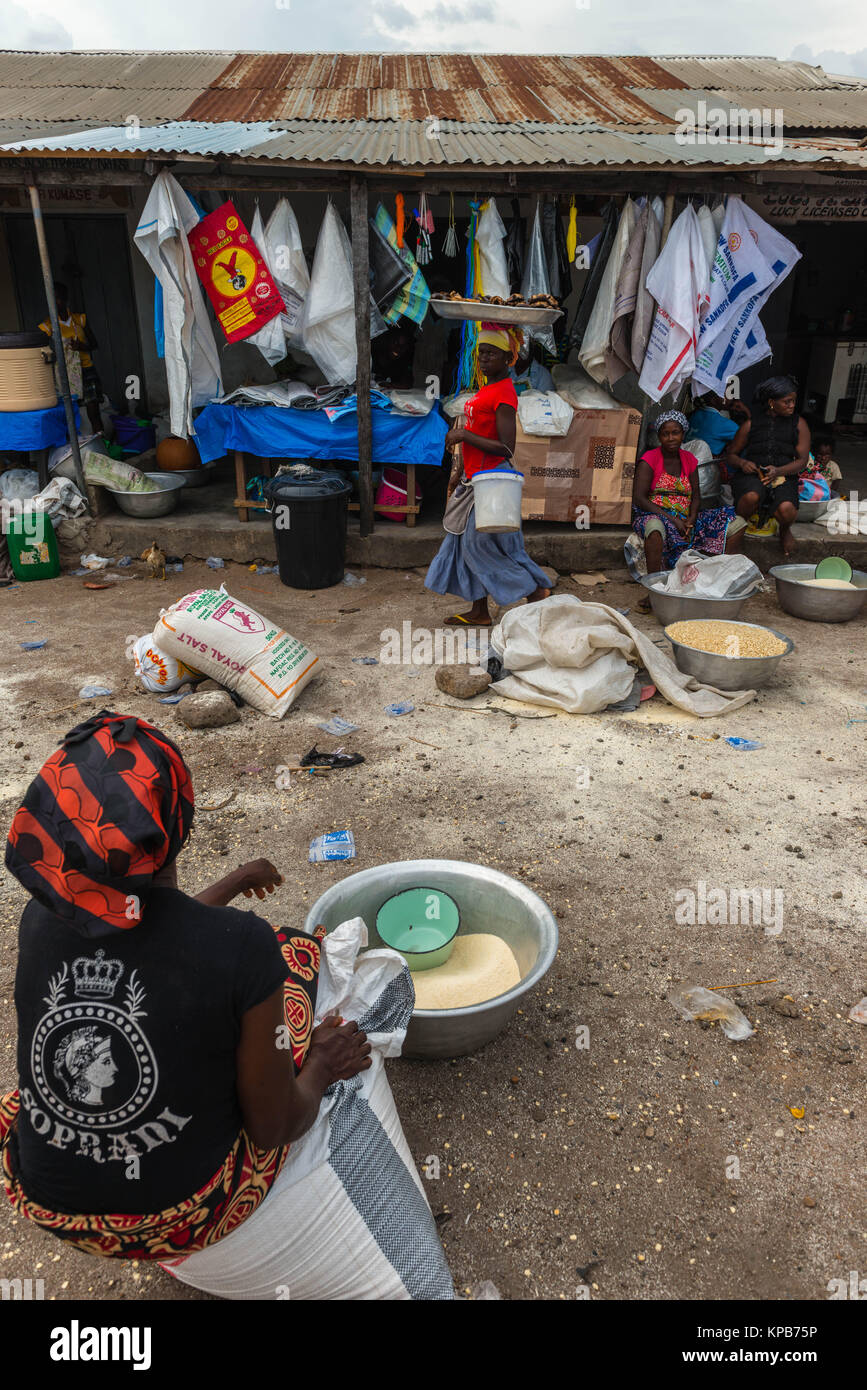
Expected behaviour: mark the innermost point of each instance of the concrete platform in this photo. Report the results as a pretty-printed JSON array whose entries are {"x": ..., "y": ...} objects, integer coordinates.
[{"x": 205, "y": 524}]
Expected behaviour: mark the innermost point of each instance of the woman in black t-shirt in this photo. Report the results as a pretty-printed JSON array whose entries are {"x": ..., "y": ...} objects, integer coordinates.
[
  {"x": 154, "y": 1110},
  {"x": 766, "y": 456}
]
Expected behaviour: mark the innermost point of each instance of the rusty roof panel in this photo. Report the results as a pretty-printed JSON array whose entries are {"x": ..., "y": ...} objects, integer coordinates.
[
  {"x": 717, "y": 73},
  {"x": 833, "y": 110}
]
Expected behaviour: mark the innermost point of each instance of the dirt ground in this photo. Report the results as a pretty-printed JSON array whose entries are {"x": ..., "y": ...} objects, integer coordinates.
[{"x": 609, "y": 1167}]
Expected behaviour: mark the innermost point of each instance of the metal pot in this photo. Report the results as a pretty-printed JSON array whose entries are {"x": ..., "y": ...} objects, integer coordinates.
[
  {"x": 818, "y": 605},
  {"x": 676, "y": 608},
  {"x": 149, "y": 504},
  {"x": 489, "y": 901},
  {"x": 729, "y": 672}
]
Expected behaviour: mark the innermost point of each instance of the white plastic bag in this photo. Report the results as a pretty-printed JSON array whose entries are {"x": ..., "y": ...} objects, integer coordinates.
[
  {"x": 580, "y": 391},
  {"x": 328, "y": 321},
  {"x": 157, "y": 670},
  {"x": 492, "y": 253},
  {"x": 535, "y": 281},
  {"x": 544, "y": 412},
  {"x": 347, "y": 1217},
  {"x": 712, "y": 576},
  {"x": 271, "y": 338},
  {"x": 238, "y": 647}
]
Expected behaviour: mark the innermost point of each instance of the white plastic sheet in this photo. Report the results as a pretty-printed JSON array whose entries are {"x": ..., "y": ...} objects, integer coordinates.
[
  {"x": 191, "y": 357},
  {"x": 288, "y": 265},
  {"x": 712, "y": 576},
  {"x": 328, "y": 322},
  {"x": 678, "y": 283},
  {"x": 535, "y": 281}
]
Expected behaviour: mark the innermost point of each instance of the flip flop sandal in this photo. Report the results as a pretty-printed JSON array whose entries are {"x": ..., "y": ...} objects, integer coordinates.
[{"x": 457, "y": 618}]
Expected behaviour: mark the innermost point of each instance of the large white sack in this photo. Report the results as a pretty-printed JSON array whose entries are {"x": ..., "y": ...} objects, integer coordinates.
[
  {"x": 579, "y": 389},
  {"x": 581, "y": 657},
  {"x": 288, "y": 265},
  {"x": 347, "y": 1217},
  {"x": 271, "y": 338},
  {"x": 591, "y": 354},
  {"x": 328, "y": 322},
  {"x": 679, "y": 284},
  {"x": 238, "y": 647},
  {"x": 544, "y": 412}
]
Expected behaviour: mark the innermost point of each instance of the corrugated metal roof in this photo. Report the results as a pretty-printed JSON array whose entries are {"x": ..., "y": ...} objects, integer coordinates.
[
  {"x": 812, "y": 110},
  {"x": 419, "y": 144},
  {"x": 492, "y": 109}
]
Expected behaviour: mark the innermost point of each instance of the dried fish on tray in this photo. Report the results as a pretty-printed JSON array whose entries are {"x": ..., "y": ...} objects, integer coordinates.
[{"x": 495, "y": 313}]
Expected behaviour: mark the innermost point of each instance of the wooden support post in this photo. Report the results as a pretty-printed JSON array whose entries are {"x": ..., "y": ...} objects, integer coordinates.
[
  {"x": 241, "y": 485},
  {"x": 57, "y": 336},
  {"x": 361, "y": 283}
]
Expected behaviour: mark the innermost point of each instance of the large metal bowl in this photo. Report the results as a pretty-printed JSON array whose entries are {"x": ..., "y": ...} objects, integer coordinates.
[
  {"x": 148, "y": 504},
  {"x": 677, "y": 608},
  {"x": 818, "y": 605},
  {"x": 192, "y": 477},
  {"x": 730, "y": 672},
  {"x": 808, "y": 511},
  {"x": 489, "y": 902}
]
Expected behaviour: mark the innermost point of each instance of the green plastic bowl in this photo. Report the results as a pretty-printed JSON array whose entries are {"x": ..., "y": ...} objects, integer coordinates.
[
  {"x": 420, "y": 923},
  {"x": 834, "y": 567}
]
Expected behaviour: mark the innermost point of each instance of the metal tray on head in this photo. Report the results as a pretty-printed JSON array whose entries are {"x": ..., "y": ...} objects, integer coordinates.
[{"x": 470, "y": 309}]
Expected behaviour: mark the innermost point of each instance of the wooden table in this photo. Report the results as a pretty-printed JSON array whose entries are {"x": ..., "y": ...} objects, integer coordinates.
[{"x": 245, "y": 506}]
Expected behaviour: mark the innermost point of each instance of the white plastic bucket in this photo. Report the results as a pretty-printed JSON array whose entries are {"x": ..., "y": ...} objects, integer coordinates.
[{"x": 497, "y": 499}]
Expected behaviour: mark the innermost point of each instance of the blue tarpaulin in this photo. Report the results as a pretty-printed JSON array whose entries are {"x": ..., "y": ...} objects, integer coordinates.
[
  {"x": 21, "y": 430},
  {"x": 270, "y": 431}
]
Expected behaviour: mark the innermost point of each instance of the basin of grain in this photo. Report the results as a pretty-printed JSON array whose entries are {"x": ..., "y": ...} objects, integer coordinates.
[
  {"x": 734, "y": 640},
  {"x": 480, "y": 967},
  {"x": 830, "y": 583}
]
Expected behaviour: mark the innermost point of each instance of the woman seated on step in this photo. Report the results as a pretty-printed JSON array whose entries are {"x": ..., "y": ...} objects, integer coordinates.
[
  {"x": 766, "y": 456},
  {"x": 666, "y": 501}
]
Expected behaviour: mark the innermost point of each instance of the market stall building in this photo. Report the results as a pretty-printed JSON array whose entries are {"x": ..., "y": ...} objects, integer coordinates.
[{"x": 86, "y": 135}]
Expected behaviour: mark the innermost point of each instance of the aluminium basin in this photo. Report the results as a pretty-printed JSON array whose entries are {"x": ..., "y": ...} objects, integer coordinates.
[{"x": 489, "y": 901}]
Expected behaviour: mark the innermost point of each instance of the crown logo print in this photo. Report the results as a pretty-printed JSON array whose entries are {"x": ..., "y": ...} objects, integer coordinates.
[{"x": 96, "y": 979}]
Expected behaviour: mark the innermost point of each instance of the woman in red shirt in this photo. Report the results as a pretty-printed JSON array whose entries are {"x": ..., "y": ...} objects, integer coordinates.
[{"x": 468, "y": 563}]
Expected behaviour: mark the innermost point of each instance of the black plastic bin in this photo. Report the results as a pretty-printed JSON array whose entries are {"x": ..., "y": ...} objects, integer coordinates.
[{"x": 308, "y": 516}]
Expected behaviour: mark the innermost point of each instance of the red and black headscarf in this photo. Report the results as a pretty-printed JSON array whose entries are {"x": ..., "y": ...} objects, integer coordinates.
[{"x": 110, "y": 809}]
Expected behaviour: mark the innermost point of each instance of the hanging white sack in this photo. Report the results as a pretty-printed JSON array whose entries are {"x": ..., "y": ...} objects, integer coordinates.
[
  {"x": 598, "y": 330},
  {"x": 678, "y": 283},
  {"x": 618, "y": 361},
  {"x": 288, "y": 266},
  {"x": 328, "y": 321},
  {"x": 752, "y": 259},
  {"x": 492, "y": 255},
  {"x": 271, "y": 339},
  {"x": 645, "y": 304},
  {"x": 709, "y": 234},
  {"x": 191, "y": 356}
]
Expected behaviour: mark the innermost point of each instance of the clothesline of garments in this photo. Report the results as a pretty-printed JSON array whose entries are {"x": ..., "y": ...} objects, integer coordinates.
[{"x": 686, "y": 313}]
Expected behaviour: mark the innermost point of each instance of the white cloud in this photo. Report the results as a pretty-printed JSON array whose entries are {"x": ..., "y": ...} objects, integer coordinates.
[
  {"x": 20, "y": 28},
  {"x": 834, "y": 60}
]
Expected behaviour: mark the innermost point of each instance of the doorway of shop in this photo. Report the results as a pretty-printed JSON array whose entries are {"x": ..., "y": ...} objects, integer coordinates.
[{"x": 90, "y": 255}]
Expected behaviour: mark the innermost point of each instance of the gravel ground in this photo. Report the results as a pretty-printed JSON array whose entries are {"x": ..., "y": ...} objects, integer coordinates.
[{"x": 564, "y": 1169}]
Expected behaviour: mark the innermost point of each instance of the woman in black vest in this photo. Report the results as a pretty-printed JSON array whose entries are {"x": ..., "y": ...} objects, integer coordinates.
[{"x": 767, "y": 454}]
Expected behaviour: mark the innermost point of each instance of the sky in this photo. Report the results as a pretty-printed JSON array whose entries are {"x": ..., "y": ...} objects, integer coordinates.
[{"x": 833, "y": 35}]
